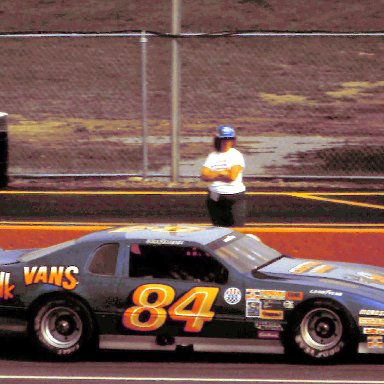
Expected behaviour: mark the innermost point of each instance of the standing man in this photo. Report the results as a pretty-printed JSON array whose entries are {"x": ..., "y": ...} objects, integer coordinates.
[{"x": 223, "y": 168}]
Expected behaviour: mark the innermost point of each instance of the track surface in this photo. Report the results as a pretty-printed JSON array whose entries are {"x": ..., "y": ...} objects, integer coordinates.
[
  {"x": 19, "y": 365},
  {"x": 263, "y": 207}
]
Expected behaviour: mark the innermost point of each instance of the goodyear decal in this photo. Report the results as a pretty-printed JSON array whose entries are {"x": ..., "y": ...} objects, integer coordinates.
[
  {"x": 371, "y": 312},
  {"x": 326, "y": 292}
]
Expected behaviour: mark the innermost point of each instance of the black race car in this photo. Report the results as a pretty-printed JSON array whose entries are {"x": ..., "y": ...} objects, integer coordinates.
[{"x": 212, "y": 289}]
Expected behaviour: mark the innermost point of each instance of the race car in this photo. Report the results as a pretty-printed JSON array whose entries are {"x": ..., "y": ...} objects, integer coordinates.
[{"x": 166, "y": 287}]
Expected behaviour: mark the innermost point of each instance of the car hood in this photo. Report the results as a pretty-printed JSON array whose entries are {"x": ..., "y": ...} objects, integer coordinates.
[{"x": 348, "y": 272}]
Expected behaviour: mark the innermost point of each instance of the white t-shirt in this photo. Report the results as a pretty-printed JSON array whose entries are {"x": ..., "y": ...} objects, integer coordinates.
[{"x": 218, "y": 161}]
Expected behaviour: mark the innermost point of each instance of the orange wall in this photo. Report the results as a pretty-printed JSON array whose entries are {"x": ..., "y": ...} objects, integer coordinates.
[{"x": 359, "y": 246}]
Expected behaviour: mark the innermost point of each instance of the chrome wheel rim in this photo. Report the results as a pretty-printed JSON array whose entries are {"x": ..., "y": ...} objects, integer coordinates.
[
  {"x": 61, "y": 327},
  {"x": 321, "y": 329}
]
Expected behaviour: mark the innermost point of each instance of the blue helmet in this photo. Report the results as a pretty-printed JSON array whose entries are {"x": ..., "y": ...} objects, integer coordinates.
[{"x": 225, "y": 132}]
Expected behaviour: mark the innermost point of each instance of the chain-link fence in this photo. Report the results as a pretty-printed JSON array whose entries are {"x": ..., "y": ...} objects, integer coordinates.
[{"x": 302, "y": 105}]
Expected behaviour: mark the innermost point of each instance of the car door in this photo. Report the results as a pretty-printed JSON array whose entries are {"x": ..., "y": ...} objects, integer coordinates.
[
  {"x": 179, "y": 290},
  {"x": 104, "y": 269}
]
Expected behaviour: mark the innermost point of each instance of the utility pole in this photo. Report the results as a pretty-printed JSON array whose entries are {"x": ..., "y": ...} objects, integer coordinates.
[{"x": 175, "y": 91}]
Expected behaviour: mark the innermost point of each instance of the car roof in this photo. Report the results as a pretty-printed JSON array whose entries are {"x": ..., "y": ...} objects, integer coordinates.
[{"x": 167, "y": 232}]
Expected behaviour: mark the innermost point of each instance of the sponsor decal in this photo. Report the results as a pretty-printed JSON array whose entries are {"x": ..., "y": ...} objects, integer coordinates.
[
  {"x": 269, "y": 314},
  {"x": 252, "y": 294},
  {"x": 288, "y": 304},
  {"x": 272, "y": 304},
  {"x": 373, "y": 331},
  {"x": 325, "y": 292},
  {"x": 56, "y": 275},
  {"x": 268, "y": 335},
  {"x": 295, "y": 296},
  {"x": 268, "y": 303},
  {"x": 371, "y": 321},
  {"x": 252, "y": 308},
  {"x": 164, "y": 242},
  {"x": 153, "y": 303},
  {"x": 371, "y": 312},
  {"x": 265, "y": 325},
  {"x": 5, "y": 287},
  {"x": 272, "y": 295},
  {"x": 375, "y": 341},
  {"x": 232, "y": 296}
]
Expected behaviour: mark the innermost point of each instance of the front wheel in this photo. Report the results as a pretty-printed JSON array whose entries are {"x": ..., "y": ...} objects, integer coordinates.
[
  {"x": 62, "y": 327},
  {"x": 321, "y": 331}
]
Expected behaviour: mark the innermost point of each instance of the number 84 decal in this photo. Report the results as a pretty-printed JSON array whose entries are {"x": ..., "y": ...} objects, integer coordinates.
[{"x": 198, "y": 300}]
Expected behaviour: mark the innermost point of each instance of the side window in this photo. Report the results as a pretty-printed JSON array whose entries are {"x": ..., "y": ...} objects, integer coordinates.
[
  {"x": 175, "y": 262},
  {"x": 104, "y": 260}
]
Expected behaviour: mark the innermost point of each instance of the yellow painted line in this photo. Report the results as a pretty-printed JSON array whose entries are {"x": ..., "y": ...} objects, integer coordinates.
[
  {"x": 317, "y": 230},
  {"x": 330, "y": 225},
  {"x": 188, "y": 193},
  {"x": 55, "y": 227},
  {"x": 337, "y": 201},
  {"x": 65, "y": 224},
  {"x": 346, "y": 193},
  {"x": 94, "y": 228},
  {"x": 250, "y": 224},
  {"x": 91, "y": 193}
]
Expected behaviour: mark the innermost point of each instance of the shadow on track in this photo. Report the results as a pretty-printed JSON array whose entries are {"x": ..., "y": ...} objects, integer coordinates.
[{"x": 17, "y": 348}]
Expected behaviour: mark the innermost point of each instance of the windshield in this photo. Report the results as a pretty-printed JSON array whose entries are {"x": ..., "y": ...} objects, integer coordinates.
[
  {"x": 243, "y": 252},
  {"x": 45, "y": 251}
]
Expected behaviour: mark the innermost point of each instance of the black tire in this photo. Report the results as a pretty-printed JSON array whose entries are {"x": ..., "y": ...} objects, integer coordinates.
[
  {"x": 62, "y": 327},
  {"x": 321, "y": 331}
]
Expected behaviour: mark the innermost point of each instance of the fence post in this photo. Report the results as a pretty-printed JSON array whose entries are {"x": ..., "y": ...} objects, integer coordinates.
[
  {"x": 3, "y": 150},
  {"x": 175, "y": 91},
  {"x": 144, "y": 41}
]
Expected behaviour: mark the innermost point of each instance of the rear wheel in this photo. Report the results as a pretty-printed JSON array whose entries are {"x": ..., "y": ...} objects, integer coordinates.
[
  {"x": 322, "y": 331},
  {"x": 62, "y": 327}
]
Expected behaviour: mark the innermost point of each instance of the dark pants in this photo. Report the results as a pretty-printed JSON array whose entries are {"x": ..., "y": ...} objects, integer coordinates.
[{"x": 228, "y": 211}]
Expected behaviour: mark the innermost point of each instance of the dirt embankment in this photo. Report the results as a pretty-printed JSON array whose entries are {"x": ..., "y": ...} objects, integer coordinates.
[{"x": 301, "y": 106}]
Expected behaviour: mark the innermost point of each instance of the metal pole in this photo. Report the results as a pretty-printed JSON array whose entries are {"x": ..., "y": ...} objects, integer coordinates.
[
  {"x": 175, "y": 90},
  {"x": 144, "y": 41}
]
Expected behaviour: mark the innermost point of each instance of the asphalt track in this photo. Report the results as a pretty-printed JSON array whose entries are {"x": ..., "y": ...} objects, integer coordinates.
[
  {"x": 301, "y": 213},
  {"x": 18, "y": 364},
  {"x": 278, "y": 208}
]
